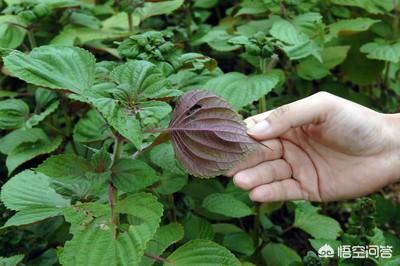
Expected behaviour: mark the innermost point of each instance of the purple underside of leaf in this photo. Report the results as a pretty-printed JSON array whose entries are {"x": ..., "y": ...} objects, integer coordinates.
[
  {"x": 210, "y": 113},
  {"x": 196, "y": 165},
  {"x": 210, "y": 153},
  {"x": 208, "y": 136},
  {"x": 202, "y": 139}
]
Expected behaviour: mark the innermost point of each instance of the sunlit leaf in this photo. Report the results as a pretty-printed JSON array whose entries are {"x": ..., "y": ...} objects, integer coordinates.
[{"x": 55, "y": 67}]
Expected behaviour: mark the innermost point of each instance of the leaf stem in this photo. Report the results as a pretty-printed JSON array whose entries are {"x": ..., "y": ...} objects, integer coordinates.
[
  {"x": 396, "y": 19},
  {"x": 130, "y": 23},
  {"x": 31, "y": 38},
  {"x": 112, "y": 191},
  {"x": 256, "y": 228},
  {"x": 386, "y": 74},
  {"x": 112, "y": 199},
  {"x": 172, "y": 211},
  {"x": 262, "y": 103},
  {"x": 156, "y": 258}
]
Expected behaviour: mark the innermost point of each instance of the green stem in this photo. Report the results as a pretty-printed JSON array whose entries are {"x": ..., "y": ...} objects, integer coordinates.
[
  {"x": 188, "y": 21},
  {"x": 386, "y": 74},
  {"x": 112, "y": 191},
  {"x": 262, "y": 102},
  {"x": 256, "y": 227},
  {"x": 156, "y": 258},
  {"x": 172, "y": 211},
  {"x": 396, "y": 19},
  {"x": 112, "y": 199},
  {"x": 31, "y": 38},
  {"x": 130, "y": 23}
]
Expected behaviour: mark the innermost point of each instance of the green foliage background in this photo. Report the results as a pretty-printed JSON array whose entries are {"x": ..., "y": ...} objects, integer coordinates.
[{"x": 83, "y": 83}]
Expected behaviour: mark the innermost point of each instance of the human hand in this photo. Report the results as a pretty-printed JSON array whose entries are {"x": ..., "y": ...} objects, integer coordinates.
[{"x": 323, "y": 148}]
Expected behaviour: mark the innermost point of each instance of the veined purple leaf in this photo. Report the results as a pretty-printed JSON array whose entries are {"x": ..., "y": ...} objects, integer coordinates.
[{"x": 208, "y": 136}]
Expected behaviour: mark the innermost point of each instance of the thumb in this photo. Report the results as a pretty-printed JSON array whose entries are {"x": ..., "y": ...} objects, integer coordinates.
[{"x": 310, "y": 110}]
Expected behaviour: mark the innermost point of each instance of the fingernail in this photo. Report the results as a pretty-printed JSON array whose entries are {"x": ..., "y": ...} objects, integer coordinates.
[{"x": 260, "y": 128}]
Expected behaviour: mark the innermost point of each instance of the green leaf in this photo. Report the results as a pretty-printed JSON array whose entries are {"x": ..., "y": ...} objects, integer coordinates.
[
  {"x": 240, "y": 90},
  {"x": 286, "y": 32},
  {"x": 317, "y": 225},
  {"x": 37, "y": 118},
  {"x": 77, "y": 35},
  {"x": 226, "y": 205},
  {"x": 91, "y": 127},
  {"x": 141, "y": 80},
  {"x": 9, "y": 142},
  {"x": 13, "y": 113},
  {"x": 30, "y": 194},
  {"x": 296, "y": 43},
  {"x": 252, "y": 8},
  {"x": 240, "y": 242},
  {"x": 120, "y": 118},
  {"x": 11, "y": 261},
  {"x": 29, "y": 216},
  {"x": 218, "y": 39},
  {"x": 197, "y": 228},
  {"x": 12, "y": 33},
  {"x": 279, "y": 255},
  {"x": 382, "y": 50},
  {"x": 163, "y": 156},
  {"x": 29, "y": 189},
  {"x": 64, "y": 166},
  {"x": 302, "y": 50},
  {"x": 153, "y": 110},
  {"x": 357, "y": 67},
  {"x": 171, "y": 183},
  {"x": 29, "y": 150},
  {"x": 77, "y": 177},
  {"x": 158, "y": 8},
  {"x": 311, "y": 68},
  {"x": 202, "y": 252},
  {"x": 93, "y": 242},
  {"x": 131, "y": 175},
  {"x": 120, "y": 21},
  {"x": 205, "y": 3},
  {"x": 349, "y": 26},
  {"x": 55, "y": 67},
  {"x": 372, "y": 6},
  {"x": 165, "y": 236}
]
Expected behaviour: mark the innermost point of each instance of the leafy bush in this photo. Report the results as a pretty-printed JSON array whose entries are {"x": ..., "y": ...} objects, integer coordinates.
[{"x": 87, "y": 85}]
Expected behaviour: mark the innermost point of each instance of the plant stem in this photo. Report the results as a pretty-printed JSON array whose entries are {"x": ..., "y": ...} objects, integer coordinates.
[
  {"x": 172, "y": 211},
  {"x": 117, "y": 148},
  {"x": 189, "y": 17},
  {"x": 395, "y": 19},
  {"x": 287, "y": 229},
  {"x": 256, "y": 229},
  {"x": 262, "y": 103},
  {"x": 130, "y": 23},
  {"x": 31, "y": 38},
  {"x": 112, "y": 199},
  {"x": 156, "y": 258},
  {"x": 112, "y": 191},
  {"x": 386, "y": 74}
]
